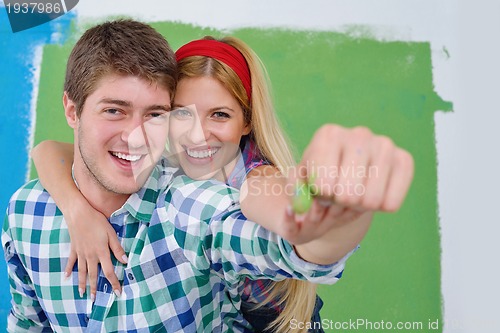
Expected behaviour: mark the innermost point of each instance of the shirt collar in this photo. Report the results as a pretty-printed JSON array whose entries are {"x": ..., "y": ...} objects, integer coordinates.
[
  {"x": 238, "y": 175},
  {"x": 141, "y": 204},
  {"x": 249, "y": 158}
]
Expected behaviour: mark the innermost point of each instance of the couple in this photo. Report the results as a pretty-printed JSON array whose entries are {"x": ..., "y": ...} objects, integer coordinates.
[{"x": 189, "y": 257}]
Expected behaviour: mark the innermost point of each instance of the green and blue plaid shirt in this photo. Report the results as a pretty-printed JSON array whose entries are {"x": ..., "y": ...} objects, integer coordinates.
[{"x": 189, "y": 250}]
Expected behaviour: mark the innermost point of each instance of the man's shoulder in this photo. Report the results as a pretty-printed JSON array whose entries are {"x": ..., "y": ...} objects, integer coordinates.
[
  {"x": 28, "y": 195},
  {"x": 33, "y": 187}
]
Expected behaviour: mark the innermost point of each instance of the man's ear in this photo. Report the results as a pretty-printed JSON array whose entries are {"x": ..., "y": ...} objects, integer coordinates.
[{"x": 69, "y": 110}]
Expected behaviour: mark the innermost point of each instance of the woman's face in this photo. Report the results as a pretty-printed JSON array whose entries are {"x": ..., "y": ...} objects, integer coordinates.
[{"x": 206, "y": 126}]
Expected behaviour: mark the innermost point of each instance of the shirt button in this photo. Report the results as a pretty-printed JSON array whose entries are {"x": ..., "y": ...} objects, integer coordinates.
[{"x": 130, "y": 276}]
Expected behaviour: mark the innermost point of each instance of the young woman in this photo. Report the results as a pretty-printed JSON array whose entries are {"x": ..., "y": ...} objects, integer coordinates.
[{"x": 222, "y": 126}]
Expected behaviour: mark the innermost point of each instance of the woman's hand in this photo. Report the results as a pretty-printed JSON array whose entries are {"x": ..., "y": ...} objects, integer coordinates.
[
  {"x": 320, "y": 217},
  {"x": 91, "y": 234},
  {"x": 92, "y": 237},
  {"x": 351, "y": 174}
]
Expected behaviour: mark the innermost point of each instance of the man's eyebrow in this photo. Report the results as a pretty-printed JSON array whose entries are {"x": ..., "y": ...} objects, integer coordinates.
[
  {"x": 114, "y": 101},
  {"x": 165, "y": 107},
  {"x": 121, "y": 102}
]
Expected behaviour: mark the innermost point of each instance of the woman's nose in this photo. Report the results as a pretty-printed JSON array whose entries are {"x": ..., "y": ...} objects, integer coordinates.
[{"x": 198, "y": 132}]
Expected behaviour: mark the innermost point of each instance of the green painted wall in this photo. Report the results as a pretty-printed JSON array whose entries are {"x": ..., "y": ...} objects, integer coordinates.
[{"x": 323, "y": 77}]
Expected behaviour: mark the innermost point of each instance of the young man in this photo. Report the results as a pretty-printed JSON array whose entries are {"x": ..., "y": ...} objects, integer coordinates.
[
  {"x": 119, "y": 82},
  {"x": 188, "y": 256}
]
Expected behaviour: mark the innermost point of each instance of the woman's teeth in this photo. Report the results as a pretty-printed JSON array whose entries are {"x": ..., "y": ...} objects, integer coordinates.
[
  {"x": 130, "y": 158},
  {"x": 202, "y": 153}
]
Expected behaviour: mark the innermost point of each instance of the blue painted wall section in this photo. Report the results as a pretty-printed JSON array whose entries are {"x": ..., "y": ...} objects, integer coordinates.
[{"x": 17, "y": 70}]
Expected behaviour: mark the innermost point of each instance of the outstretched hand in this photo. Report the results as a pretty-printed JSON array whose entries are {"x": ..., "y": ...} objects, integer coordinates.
[
  {"x": 346, "y": 176},
  {"x": 357, "y": 169}
]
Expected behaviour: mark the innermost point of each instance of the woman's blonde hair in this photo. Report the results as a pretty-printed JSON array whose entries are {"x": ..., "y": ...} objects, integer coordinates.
[{"x": 273, "y": 146}]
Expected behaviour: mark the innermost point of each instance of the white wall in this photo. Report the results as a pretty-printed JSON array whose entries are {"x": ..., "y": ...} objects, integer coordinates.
[
  {"x": 468, "y": 175},
  {"x": 468, "y": 171}
]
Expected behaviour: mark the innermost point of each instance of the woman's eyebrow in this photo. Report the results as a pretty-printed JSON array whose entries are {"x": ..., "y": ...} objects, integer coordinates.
[{"x": 219, "y": 108}]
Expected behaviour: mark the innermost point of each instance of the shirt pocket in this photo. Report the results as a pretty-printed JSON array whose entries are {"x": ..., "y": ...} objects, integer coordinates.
[
  {"x": 148, "y": 300},
  {"x": 145, "y": 286}
]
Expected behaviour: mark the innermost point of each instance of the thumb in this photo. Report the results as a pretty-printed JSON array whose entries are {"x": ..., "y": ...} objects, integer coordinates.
[
  {"x": 117, "y": 249},
  {"x": 301, "y": 191}
]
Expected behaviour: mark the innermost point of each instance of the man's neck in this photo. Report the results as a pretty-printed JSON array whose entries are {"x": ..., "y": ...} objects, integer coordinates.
[{"x": 101, "y": 199}]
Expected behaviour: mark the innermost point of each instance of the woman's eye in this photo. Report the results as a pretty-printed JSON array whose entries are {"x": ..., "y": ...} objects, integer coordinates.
[
  {"x": 181, "y": 113},
  {"x": 221, "y": 114}
]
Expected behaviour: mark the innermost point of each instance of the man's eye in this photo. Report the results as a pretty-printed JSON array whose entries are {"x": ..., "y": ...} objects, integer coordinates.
[
  {"x": 157, "y": 117},
  {"x": 157, "y": 114},
  {"x": 112, "y": 111}
]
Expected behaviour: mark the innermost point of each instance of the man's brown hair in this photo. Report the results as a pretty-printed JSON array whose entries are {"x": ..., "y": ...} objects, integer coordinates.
[{"x": 119, "y": 47}]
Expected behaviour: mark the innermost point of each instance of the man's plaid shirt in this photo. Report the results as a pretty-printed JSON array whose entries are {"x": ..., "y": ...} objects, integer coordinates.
[{"x": 188, "y": 259}]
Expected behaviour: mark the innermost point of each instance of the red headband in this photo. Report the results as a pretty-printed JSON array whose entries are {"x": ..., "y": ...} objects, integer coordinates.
[{"x": 222, "y": 52}]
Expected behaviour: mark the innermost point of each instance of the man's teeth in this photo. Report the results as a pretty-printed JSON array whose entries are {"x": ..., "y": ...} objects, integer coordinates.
[
  {"x": 131, "y": 158},
  {"x": 202, "y": 153}
]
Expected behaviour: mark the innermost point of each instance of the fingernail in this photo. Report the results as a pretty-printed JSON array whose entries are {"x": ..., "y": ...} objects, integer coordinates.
[
  {"x": 117, "y": 293},
  {"x": 80, "y": 290},
  {"x": 125, "y": 258},
  {"x": 66, "y": 275},
  {"x": 325, "y": 203},
  {"x": 289, "y": 210},
  {"x": 92, "y": 297},
  {"x": 300, "y": 218}
]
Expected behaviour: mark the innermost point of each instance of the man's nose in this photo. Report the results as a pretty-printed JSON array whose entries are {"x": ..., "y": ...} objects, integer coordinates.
[{"x": 134, "y": 134}]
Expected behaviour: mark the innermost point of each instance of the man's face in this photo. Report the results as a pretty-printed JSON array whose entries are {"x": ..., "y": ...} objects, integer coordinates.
[{"x": 121, "y": 133}]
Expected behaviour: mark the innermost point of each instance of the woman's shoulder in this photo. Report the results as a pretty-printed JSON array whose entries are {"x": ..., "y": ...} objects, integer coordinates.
[{"x": 199, "y": 199}]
